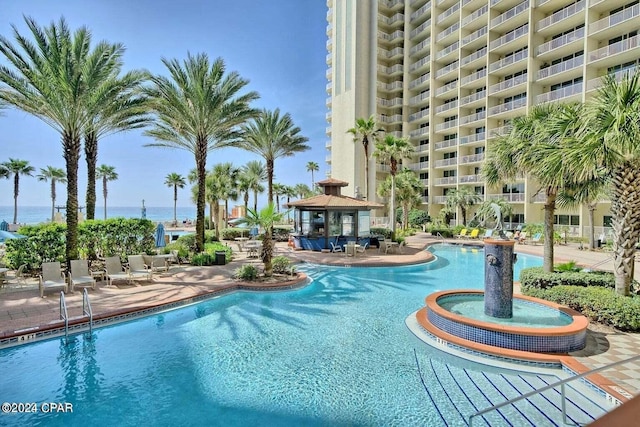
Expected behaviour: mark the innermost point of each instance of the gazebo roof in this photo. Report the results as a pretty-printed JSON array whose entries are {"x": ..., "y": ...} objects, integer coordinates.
[
  {"x": 332, "y": 182},
  {"x": 333, "y": 201}
]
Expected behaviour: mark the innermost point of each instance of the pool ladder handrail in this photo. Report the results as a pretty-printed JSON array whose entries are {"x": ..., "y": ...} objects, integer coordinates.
[
  {"x": 440, "y": 236},
  {"x": 86, "y": 310},
  {"x": 64, "y": 315},
  {"x": 560, "y": 383}
]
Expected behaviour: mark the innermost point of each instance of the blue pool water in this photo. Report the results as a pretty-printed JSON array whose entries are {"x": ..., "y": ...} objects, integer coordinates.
[{"x": 336, "y": 352}]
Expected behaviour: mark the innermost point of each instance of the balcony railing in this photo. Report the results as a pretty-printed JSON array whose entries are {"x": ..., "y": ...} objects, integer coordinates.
[
  {"x": 472, "y": 158},
  {"x": 448, "y": 106},
  {"x": 619, "y": 75},
  {"x": 615, "y": 48},
  {"x": 447, "y": 50},
  {"x": 448, "y": 31},
  {"x": 420, "y": 63},
  {"x": 466, "y": 179},
  {"x": 615, "y": 19},
  {"x": 561, "y": 41},
  {"x": 475, "y": 76},
  {"x": 398, "y": 17},
  {"x": 473, "y": 117},
  {"x": 514, "y": 11},
  {"x": 561, "y": 67},
  {"x": 383, "y": 118},
  {"x": 446, "y": 88},
  {"x": 476, "y": 55},
  {"x": 447, "y": 13},
  {"x": 510, "y": 36},
  {"x": 508, "y": 106},
  {"x": 562, "y": 14},
  {"x": 473, "y": 97},
  {"x": 418, "y": 166},
  {"x": 447, "y": 162},
  {"x": 419, "y": 115},
  {"x": 446, "y": 181},
  {"x": 498, "y": 87},
  {"x": 500, "y": 131},
  {"x": 445, "y": 70},
  {"x": 389, "y": 86},
  {"x": 419, "y": 98},
  {"x": 395, "y": 102},
  {"x": 508, "y": 60},
  {"x": 473, "y": 138},
  {"x": 561, "y": 93},
  {"x": 447, "y": 125},
  {"x": 419, "y": 132},
  {"x": 418, "y": 13},
  {"x": 474, "y": 36},
  {"x": 422, "y": 79},
  {"x": 424, "y": 44},
  {"x": 475, "y": 15},
  {"x": 419, "y": 29},
  {"x": 509, "y": 197},
  {"x": 440, "y": 200},
  {"x": 446, "y": 144},
  {"x": 423, "y": 148}
]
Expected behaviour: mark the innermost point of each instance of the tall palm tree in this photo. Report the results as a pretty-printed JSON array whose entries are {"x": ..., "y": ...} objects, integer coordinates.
[
  {"x": 201, "y": 108},
  {"x": 289, "y": 192},
  {"x": 610, "y": 139},
  {"x": 123, "y": 109},
  {"x": 176, "y": 181},
  {"x": 463, "y": 198},
  {"x": 17, "y": 167},
  {"x": 278, "y": 190},
  {"x": 312, "y": 167},
  {"x": 392, "y": 150},
  {"x": 55, "y": 77},
  {"x": 408, "y": 191},
  {"x": 532, "y": 148},
  {"x": 53, "y": 175},
  {"x": 271, "y": 136},
  {"x": 302, "y": 190},
  {"x": 366, "y": 131},
  {"x": 256, "y": 173},
  {"x": 106, "y": 174}
]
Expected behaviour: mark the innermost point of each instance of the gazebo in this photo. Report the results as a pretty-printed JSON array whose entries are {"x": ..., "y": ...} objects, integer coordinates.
[{"x": 331, "y": 217}]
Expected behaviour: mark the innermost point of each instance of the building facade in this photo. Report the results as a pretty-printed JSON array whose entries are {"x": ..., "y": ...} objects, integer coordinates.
[{"x": 451, "y": 74}]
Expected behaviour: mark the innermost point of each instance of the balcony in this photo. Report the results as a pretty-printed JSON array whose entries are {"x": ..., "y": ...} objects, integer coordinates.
[
  {"x": 396, "y": 36},
  {"x": 396, "y": 19},
  {"x": 446, "y": 125},
  {"x": 507, "y": 84},
  {"x": 450, "y": 31},
  {"x": 561, "y": 67},
  {"x": 467, "y": 20},
  {"x": 419, "y": 98},
  {"x": 424, "y": 62},
  {"x": 389, "y": 71},
  {"x": 425, "y": 182},
  {"x": 447, "y": 50},
  {"x": 446, "y": 144},
  {"x": 470, "y": 179},
  {"x": 500, "y": 131},
  {"x": 473, "y": 118},
  {"x": 450, "y": 180},
  {"x": 420, "y": 12},
  {"x": 391, "y": 87},
  {"x": 419, "y": 132},
  {"x": 381, "y": 167},
  {"x": 510, "y": 15},
  {"x": 440, "y": 200},
  {"x": 561, "y": 15},
  {"x": 562, "y": 93},
  {"x": 449, "y": 13},
  {"x": 423, "y": 28},
  {"x": 482, "y": 31},
  {"x": 508, "y": 106},
  {"x": 447, "y": 72},
  {"x": 475, "y": 76},
  {"x": 418, "y": 166},
  {"x": 606, "y": 54},
  {"x": 619, "y": 75},
  {"x": 504, "y": 43},
  {"x": 419, "y": 115},
  {"x": 619, "y": 19},
  {"x": 509, "y": 197},
  {"x": 446, "y": 88},
  {"x": 396, "y": 118},
  {"x": 469, "y": 139},
  {"x": 477, "y": 96},
  {"x": 446, "y": 107},
  {"x": 473, "y": 158},
  {"x": 422, "y": 80},
  {"x": 565, "y": 40},
  {"x": 423, "y": 148},
  {"x": 469, "y": 59},
  {"x": 389, "y": 103},
  {"x": 423, "y": 45},
  {"x": 327, "y": 144},
  {"x": 396, "y": 52},
  {"x": 504, "y": 64}
]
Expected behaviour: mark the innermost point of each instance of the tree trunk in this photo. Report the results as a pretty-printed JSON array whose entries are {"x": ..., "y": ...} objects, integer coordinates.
[
  {"x": 549, "y": 210},
  {"x": 91, "y": 156},
  {"x": 216, "y": 216},
  {"x": 625, "y": 220},
  {"x": 365, "y": 143},
  {"x": 201, "y": 165},
  {"x": 246, "y": 202},
  {"x": 175, "y": 204},
  {"x": 255, "y": 201},
  {"x": 270, "y": 165},
  {"x": 592, "y": 226},
  {"x": 16, "y": 188},
  {"x": 53, "y": 199},
  {"x": 104, "y": 194},
  {"x": 71, "y": 146},
  {"x": 267, "y": 252},
  {"x": 392, "y": 205}
]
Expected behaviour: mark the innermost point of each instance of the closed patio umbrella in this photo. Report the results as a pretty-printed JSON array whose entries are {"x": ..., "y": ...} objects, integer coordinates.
[
  {"x": 5, "y": 235},
  {"x": 160, "y": 243},
  {"x": 4, "y": 226}
]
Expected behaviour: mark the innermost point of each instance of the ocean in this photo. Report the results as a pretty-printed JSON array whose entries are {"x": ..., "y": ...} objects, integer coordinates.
[{"x": 39, "y": 214}]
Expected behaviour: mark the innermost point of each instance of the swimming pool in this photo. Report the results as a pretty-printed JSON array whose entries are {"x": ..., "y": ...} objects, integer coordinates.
[{"x": 336, "y": 352}]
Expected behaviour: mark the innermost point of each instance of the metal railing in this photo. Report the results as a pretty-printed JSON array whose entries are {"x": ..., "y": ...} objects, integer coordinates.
[
  {"x": 86, "y": 310},
  {"x": 64, "y": 315},
  {"x": 560, "y": 383}
]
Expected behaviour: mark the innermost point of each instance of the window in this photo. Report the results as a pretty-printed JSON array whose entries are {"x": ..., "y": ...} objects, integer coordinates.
[
  {"x": 364, "y": 223},
  {"x": 566, "y": 220},
  {"x": 449, "y": 174},
  {"x": 606, "y": 221},
  {"x": 450, "y": 155},
  {"x": 424, "y": 175},
  {"x": 479, "y": 190}
]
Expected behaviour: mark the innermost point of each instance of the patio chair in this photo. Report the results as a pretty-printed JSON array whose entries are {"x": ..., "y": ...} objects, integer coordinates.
[
  {"x": 80, "y": 276},
  {"x": 363, "y": 248},
  {"x": 18, "y": 276},
  {"x": 52, "y": 278},
  {"x": 175, "y": 257},
  {"x": 488, "y": 233},
  {"x": 115, "y": 270},
  {"x": 137, "y": 268},
  {"x": 155, "y": 264},
  {"x": 463, "y": 233},
  {"x": 536, "y": 238},
  {"x": 474, "y": 234},
  {"x": 335, "y": 248}
]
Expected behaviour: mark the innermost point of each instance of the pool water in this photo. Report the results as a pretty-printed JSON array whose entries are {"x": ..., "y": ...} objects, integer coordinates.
[{"x": 336, "y": 352}]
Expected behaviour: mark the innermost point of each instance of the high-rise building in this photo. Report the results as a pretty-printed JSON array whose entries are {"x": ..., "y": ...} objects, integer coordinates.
[{"x": 451, "y": 74}]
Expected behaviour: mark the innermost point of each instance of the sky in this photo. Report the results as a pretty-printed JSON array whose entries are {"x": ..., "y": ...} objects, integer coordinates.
[{"x": 278, "y": 45}]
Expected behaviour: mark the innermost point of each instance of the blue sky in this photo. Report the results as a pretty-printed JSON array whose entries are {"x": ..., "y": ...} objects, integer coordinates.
[{"x": 278, "y": 45}]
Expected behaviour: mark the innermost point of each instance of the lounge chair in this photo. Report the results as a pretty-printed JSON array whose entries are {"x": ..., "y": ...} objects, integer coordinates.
[
  {"x": 488, "y": 233},
  {"x": 52, "y": 278},
  {"x": 474, "y": 234},
  {"x": 80, "y": 276},
  {"x": 18, "y": 277},
  {"x": 335, "y": 248},
  {"x": 137, "y": 268},
  {"x": 536, "y": 238},
  {"x": 363, "y": 248},
  {"x": 156, "y": 264},
  {"x": 115, "y": 270},
  {"x": 463, "y": 233}
]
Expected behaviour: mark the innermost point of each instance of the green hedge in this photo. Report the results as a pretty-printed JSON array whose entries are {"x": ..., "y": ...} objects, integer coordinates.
[
  {"x": 535, "y": 277},
  {"x": 598, "y": 304}
]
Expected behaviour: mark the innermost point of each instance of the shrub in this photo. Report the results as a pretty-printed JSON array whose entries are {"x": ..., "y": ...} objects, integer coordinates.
[
  {"x": 443, "y": 231},
  {"x": 282, "y": 265},
  {"x": 570, "y": 266},
  {"x": 203, "y": 259},
  {"x": 281, "y": 234},
  {"x": 246, "y": 272},
  {"x": 418, "y": 217},
  {"x": 380, "y": 231},
  {"x": 536, "y": 278}
]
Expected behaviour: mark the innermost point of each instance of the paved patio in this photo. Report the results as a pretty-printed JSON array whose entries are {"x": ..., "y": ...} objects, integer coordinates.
[{"x": 22, "y": 308}]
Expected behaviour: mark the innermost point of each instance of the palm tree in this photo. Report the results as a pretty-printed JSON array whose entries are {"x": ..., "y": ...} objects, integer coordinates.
[
  {"x": 123, "y": 109},
  {"x": 302, "y": 190},
  {"x": 17, "y": 167},
  {"x": 408, "y": 190},
  {"x": 610, "y": 139},
  {"x": 289, "y": 192},
  {"x": 312, "y": 167},
  {"x": 463, "y": 198},
  {"x": 266, "y": 219},
  {"x": 278, "y": 190},
  {"x": 200, "y": 109},
  {"x": 54, "y": 175},
  {"x": 365, "y": 131},
  {"x": 106, "y": 173},
  {"x": 272, "y": 137},
  {"x": 176, "y": 181},
  {"x": 255, "y": 172},
  {"x": 393, "y": 150},
  {"x": 55, "y": 79},
  {"x": 533, "y": 148}
]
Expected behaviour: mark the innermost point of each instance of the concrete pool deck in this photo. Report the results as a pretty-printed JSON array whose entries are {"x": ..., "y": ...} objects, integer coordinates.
[{"x": 21, "y": 308}]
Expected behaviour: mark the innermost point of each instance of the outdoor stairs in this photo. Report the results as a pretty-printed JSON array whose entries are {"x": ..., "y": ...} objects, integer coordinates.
[{"x": 458, "y": 392}]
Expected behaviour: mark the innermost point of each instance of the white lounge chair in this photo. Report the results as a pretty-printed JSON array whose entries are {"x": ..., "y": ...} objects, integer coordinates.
[
  {"x": 155, "y": 264},
  {"x": 363, "y": 248},
  {"x": 137, "y": 268},
  {"x": 115, "y": 270},
  {"x": 335, "y": 248},
  {"x": 52, "y": 278},
  {"x": 80, "y": 276}
]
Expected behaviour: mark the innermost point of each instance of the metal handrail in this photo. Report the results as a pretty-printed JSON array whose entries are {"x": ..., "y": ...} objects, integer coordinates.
[
  {"x": 64, "y": 315},
  {"x": 86, "y": 310},
  {"x": 599, "y": 263},
  {"x": 560, "y": 383}
]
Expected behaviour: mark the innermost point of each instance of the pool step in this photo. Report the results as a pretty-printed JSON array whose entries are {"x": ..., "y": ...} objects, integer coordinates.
[{"x": 457, "y": 392}]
